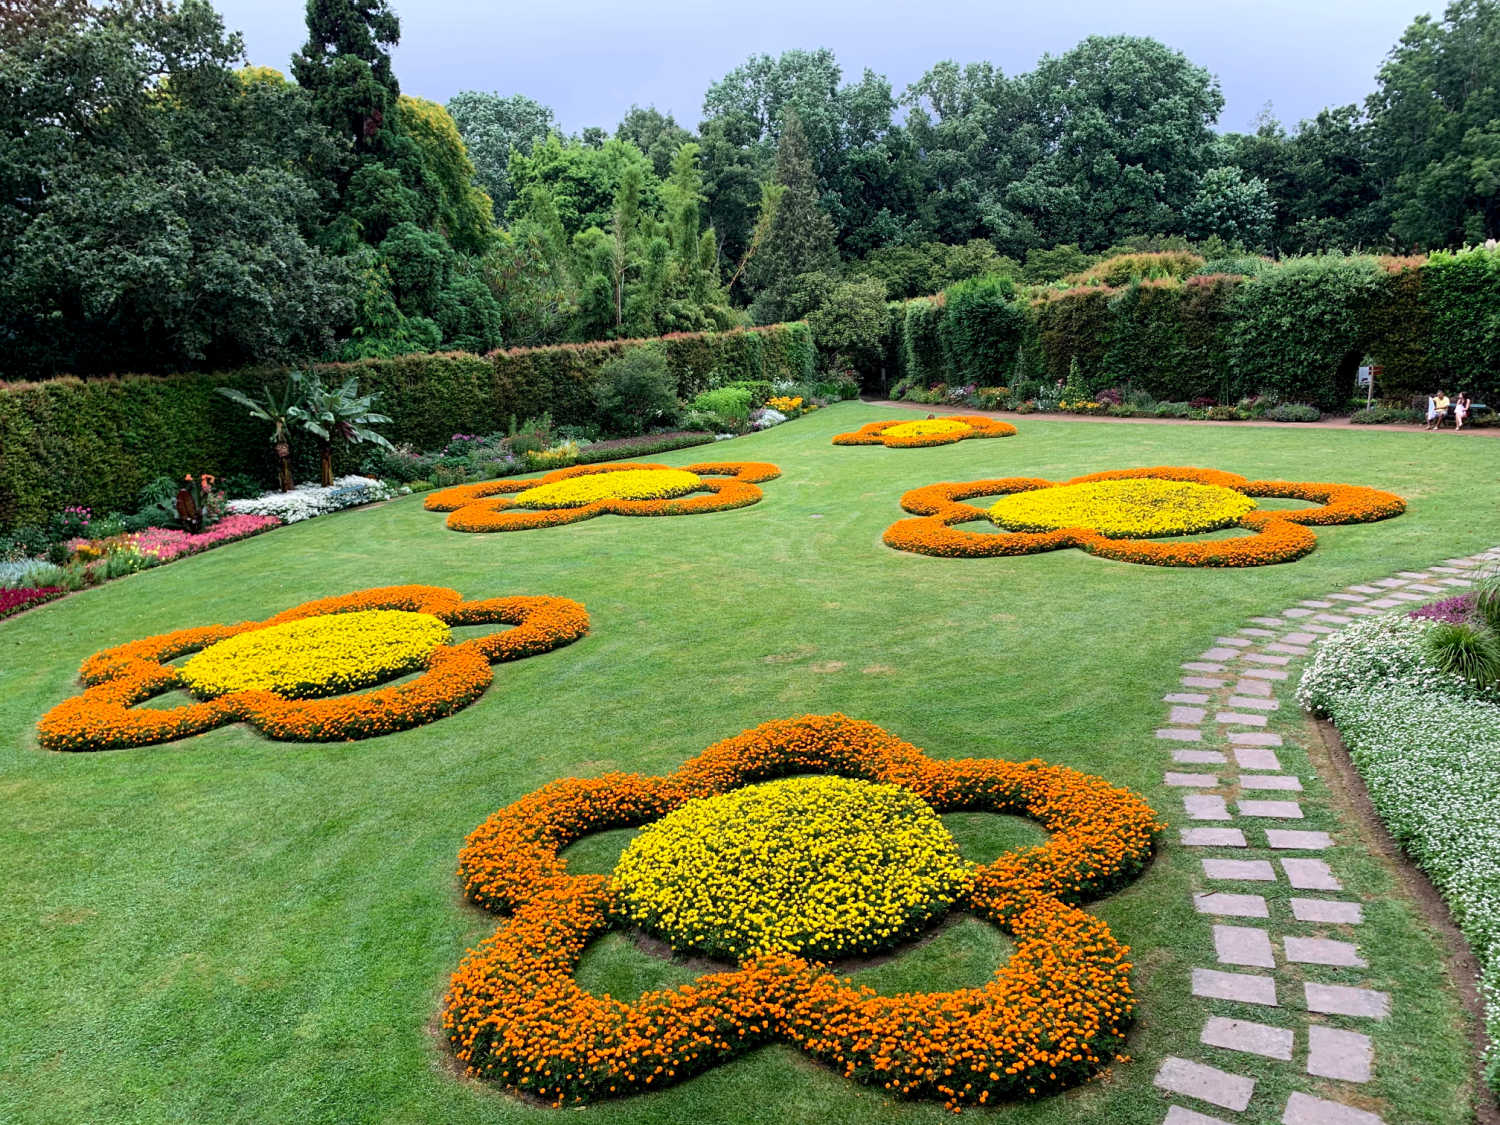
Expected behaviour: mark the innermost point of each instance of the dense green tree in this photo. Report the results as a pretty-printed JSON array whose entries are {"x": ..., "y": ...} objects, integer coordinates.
[
  {"x": 1231, "y": 207},
  {"x": 491, "y": 126},
  {"x": 582, "y": 180},
  {"x": 654, "y": 133},
  {"x": 1436, "y": 120},
  {"x": 799, "y": 239},
  {"x": 927, "y": 268},
  {"x": 346, "y": 66}
]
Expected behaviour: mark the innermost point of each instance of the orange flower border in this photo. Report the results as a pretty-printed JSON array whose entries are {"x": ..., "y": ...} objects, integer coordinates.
[
  {"x": 872, "y": 433},
  {"x": 485, "y": 507},
  {"x": 1048, "y": 1019},
  {"x": 106, "y": 715},
  {"x": 1280, "y": 536}
]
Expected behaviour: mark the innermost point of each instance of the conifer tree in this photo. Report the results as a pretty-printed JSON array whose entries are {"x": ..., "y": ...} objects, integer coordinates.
[{"x": 800, "y": 237}]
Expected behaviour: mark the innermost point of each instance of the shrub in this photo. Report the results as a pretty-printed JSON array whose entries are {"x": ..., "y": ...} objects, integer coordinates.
[
  {"x": 923, "y": 355},
  {"x": 1464, "y": 650},
  {"x": 730, "y": 405},
  {"x": 1293, "y": 412},
  {"x": 1152, "y": 266},
  {"x": 636, "y": 391},
  {"x": 1487, "y": 601},
  {"x": 1385, "y": 415},
  {"x": 1225, "y": 414},
  {"x": 981, "y": 327}
]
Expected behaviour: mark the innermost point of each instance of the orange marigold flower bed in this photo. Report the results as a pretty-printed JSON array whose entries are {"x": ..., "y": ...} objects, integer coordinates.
[
  {"x": 1048, "y": 1019},
  {"x": 899, "y": 433},
  {"x": 106, "y": 715},
  {"x": 1278, "y": 535},
  {"x": 490, "y": 505}
]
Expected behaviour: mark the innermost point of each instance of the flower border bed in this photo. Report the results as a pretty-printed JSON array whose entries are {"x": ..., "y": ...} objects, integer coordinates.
[
  {"x": 486, "y": 507},
  {"x": 1047, "y": 1020},
  {"x": 22, "y": 598},
  {"x": 105, "y": 716},
  {"x": 1280, "y": 536},
  {"x": 872, "y": 433}
]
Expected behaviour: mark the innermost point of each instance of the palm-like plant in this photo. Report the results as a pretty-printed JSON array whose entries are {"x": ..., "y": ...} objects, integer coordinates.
[
  {"x": 328, "y": 412},
  {"x": 277, "y": 412}
]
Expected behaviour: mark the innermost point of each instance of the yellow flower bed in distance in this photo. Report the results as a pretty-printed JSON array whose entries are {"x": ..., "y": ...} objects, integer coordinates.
[
  {"x": 633, "y": 484},
  {"x": 1124, "y": 508},
  {"x": 317, "y": 656},
  {"x": 811, "y": 866},
  {"x": 928, "y": 426}
]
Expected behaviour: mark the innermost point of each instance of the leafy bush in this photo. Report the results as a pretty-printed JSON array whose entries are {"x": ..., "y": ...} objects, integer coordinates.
[
  {"x": 1173, "y": 410},
  {"x": 1293, "y": 412},
  {"x": 1225, "y": 414},
  {"x": 730, "y": 405},
  {"x": 1385, "y": 416},
  {"x": 981, "y": 326},
  {"x": 1125, "y": 268},
  {"x": 1464, "y": 650},
  {"x": 636, "y": 391},
  {"x": 922, "y": 358},
  {"x": 1487, "y": 601}
]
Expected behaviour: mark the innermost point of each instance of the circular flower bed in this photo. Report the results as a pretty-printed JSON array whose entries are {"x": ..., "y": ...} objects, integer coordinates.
[
  {"x": 585, "y": 491},
  {"x": 1276, "y": 535},
  {"x": 268, "y": 675},
  {"x": 318, "y": 655},
  {"x": 1121, "y": 509},
  {"x": 631, "y": 484},
  {"x": 1048, "y": 1019},
  {"x": 816, "y": 866},
  {"x": 897, "y": 434}
]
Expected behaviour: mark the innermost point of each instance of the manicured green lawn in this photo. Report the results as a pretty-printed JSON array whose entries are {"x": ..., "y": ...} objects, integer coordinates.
[{"x": 231, "y": 929}]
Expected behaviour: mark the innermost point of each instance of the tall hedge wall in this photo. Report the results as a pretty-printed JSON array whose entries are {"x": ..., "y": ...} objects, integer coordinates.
[
  {"x": 97, "y": 441},
  {"x": 1298, "y": 328}
]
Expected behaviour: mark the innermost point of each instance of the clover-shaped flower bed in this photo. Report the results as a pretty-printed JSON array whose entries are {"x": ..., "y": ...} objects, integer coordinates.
[
  {"x": 1126, "y": 514},
  {"x": 585, "y": 491},
  {"x": 777, "y": 874},
  {"x": 275, "y": 674},
  {"x": 896, "y": 434}
]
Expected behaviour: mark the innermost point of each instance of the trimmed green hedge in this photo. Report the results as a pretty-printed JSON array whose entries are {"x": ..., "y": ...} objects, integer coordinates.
[
  {"x": 1298, "y": 328},
  {"x": 95, "y": 442}
]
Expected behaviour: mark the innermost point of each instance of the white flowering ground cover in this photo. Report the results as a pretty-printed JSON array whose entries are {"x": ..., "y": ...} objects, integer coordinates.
[
  {"x": 1427, "y": 744},
  {"x": 309, "y": 500}
]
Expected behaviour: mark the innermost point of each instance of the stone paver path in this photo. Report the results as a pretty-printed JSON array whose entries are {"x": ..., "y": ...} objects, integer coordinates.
[{"x": 1283, "y": 968}]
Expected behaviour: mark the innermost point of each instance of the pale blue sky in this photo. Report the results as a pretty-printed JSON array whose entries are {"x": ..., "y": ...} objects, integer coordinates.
[{"x": 590, "y": 59}]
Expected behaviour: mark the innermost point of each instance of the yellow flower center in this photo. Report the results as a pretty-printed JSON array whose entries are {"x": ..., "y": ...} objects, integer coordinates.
[
  {"x": 926, "y": 427},
  {"x": 318, "y": 655},
  {"x": 823, "y": 867},
  {"x": 627, "y": 484},
  {"x": 1140, "y": 507}
]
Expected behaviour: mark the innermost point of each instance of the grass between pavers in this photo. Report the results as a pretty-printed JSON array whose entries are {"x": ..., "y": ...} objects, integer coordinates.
[{"x": 234, "y": 929}]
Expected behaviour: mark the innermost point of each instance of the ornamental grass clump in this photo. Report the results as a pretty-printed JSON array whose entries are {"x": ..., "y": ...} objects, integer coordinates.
[{"x": 1463, "y": 649}]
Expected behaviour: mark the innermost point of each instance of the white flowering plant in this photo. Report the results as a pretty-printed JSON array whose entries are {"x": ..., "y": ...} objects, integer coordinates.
[
  {"x": 1427, "y": 744},
  {"x": 309, "y": 500}
]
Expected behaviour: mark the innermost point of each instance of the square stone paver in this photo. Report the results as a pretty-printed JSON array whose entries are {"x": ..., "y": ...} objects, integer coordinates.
[
  {"x": 1333, "y": 618},
  {"x": 1385, "y": 603},
  {"x": 1365, "y": 589},
  {"x": 1268, "y": 658},
  {"x": 1287, "y": 838},
  {"x": 1199, "y": 757},
  {"x": 1323, "y": 951},
  {"x": 1208, "y": 666},
  {"x": 1254, "y": 738},
  {"x": 1244, "y": 945},
  {"x": 1245, "y": 988},
  {"x": 1185, "y": 697},
  {"x": 1362, "y": 610},
  {"x": 1279, "y": 810},
  {"x": 1332, "y": 1053},
  {"x": 1290, "y": 650},
  {"x": 1176, "y": 1115},
  {"x": 1207, "y": 1083},
  {"x": 1304, "y": 1109},
  {"x": 1213, "y": 838},
  {"x": 1237, "y": 642},
  {"x": 1192, "y": 780},
  {"x": 1252, "y": 687},
  {"x": 1265, "y": 673},
  {"x": 1296, "y": 611},
  {"x": 1303, "y": 638},
  {"x": 1240, "y": 718},
  {"x": 1217, "y": 654},
  {"x": 1310, "y": 874},
  {"x": 1260, "y": 632},
  {"x": 1174, "y": 734},
  {"x": 1250, "y": 1037},
  {"x": 1255, "y": 870},
  {"x": 1347, "y": 597},
  {"x": 1327, "y": 910},
  {"x": 1205, "y": 806},
  {"x": 1389, "y": 583},
  {"x": 1274, "y": 622},
  {"x": 1185, "y": 716},
  {"x": 1201, "y": 682},
  {"x": 1346, "y": 1000},
  {"x": 1284, "y": 782},
  {"x": 1231, "y": 906},
  {"x": 1254, "y": 703},
  {"x": 1252, "y": 758}
]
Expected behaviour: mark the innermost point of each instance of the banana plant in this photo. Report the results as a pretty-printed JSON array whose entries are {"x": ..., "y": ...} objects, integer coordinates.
[
  {"x": 329, "y": 412},
  {"x": 277, "y": 412}
]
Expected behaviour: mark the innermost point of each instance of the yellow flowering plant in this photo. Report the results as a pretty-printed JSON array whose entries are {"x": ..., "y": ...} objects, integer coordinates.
[{"x": 1143, "y": 507}]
